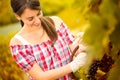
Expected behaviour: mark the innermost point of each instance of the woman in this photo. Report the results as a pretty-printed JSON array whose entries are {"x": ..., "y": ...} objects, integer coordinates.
[{"x": 43, "y": 46}]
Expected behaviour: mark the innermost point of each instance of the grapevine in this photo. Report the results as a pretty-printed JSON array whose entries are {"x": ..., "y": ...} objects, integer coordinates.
[
  {"x": 99, "y": 69},
  {"x": 93, "y": 70}
]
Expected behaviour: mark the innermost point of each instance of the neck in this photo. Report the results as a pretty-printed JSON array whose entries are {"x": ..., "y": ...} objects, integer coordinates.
[
  {"x": 33, "y": 35},
  {"x": 31, "y": 30}
]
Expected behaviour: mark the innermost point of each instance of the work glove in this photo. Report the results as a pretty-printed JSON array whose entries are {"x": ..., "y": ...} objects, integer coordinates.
[{"x": 78, "y": 61}]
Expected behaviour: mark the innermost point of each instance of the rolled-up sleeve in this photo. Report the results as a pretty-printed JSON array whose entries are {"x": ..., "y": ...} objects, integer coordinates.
[
  {"x": 23, "y": 55},
  {"x": 69, "y": 37}
]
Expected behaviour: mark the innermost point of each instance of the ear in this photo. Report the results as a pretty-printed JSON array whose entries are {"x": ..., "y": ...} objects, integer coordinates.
[
  {"x": 41, "y": 13},
  {"x": 18, "y": 17}
]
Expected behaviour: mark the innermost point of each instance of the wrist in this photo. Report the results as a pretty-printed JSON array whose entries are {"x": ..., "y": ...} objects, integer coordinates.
[
  {"x": 73, "y": 66},
  {"x": 78, "y": 61}
]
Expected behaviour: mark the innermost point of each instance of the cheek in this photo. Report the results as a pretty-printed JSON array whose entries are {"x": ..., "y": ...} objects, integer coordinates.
[{"x": 29, "y": 22}]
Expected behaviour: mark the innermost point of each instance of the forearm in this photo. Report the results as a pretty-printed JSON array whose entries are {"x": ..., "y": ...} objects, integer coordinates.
[
  {"x": 53, "y": 74},
  {"x": 58, "y": 72}
]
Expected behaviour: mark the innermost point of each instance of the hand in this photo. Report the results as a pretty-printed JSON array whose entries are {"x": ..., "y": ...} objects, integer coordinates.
[
  {"x": 78, "y": 61},
  {"x": 80, "y": 46},
  {"x": 78, "y": 49}
]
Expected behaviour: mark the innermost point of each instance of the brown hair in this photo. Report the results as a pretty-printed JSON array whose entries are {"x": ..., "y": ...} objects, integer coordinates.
[{"x": 18, "y": 6}]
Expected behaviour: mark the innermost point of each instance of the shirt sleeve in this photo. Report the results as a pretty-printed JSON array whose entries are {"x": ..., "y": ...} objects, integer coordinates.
[
  {"x": 23, "y": 56},
  {"x": 69, "y": 37}
]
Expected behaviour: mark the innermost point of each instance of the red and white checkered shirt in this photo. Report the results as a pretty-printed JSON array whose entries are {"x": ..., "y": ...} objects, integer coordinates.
[{"x": 48, "y": 57}]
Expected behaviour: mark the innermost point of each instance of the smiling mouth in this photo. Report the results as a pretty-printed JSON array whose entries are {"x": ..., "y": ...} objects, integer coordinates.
[{"x": 37, "y": 25}]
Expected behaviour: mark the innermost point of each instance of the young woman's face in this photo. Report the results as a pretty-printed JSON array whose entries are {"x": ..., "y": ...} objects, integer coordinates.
[{"x": 31, "y": 17}]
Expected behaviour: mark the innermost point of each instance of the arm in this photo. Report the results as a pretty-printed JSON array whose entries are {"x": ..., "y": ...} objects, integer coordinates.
[
  {"x": 77, "y": 46},
  {"x": 38, "y": 74},
  {"x": 34, "y": 69}
]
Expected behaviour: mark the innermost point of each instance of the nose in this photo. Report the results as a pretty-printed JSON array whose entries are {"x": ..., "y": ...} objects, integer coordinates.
[{"x": 37, "y": 20}]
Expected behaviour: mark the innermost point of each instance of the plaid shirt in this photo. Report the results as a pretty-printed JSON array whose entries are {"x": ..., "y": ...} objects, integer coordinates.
[{"x": 48, "y": 57}]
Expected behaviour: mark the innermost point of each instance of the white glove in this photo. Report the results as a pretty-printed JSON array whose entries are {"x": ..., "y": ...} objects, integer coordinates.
[
  {"x": 78, "y": 62},
  {"x": 78, "y": 39}
]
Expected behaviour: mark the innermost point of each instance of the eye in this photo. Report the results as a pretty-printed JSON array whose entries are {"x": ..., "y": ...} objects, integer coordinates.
[{"x": 30, "y": 18}]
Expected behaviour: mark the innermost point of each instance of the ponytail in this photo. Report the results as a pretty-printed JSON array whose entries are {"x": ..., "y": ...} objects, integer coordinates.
[{"x": 49, "y": 27}]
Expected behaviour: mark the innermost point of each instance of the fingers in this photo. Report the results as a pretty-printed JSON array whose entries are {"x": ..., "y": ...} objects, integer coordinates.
[
  {"x": 74, "y": 52},
  {"x": 80, "y": 49}
]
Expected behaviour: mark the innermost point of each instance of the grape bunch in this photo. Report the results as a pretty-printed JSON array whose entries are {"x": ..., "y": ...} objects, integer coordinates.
[
  {"x": 93, "y": 70},
  {"x": 104, "y": 65}
]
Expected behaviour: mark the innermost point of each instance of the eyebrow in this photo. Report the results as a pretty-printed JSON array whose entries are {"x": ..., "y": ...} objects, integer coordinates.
[
  {"x": 33, "y": 16},
  {"x": 29, "y": 17}
]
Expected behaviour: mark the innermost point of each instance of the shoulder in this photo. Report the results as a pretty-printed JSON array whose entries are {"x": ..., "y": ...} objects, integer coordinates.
[
  {"x": 57, "y": 20},
  {"x": 14, "y": 41}
]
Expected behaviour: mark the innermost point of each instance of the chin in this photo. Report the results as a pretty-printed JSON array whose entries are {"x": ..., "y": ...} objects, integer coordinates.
[{"x": 37, "y": 25}]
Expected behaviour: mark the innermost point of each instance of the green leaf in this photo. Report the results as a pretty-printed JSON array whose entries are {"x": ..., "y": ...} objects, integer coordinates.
[
  {"x": 96, "y": 35},
  {"x": 115, "y": 71},
  {"x": 115, "y": 39},
  {"x": 107, "y": 7}
]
